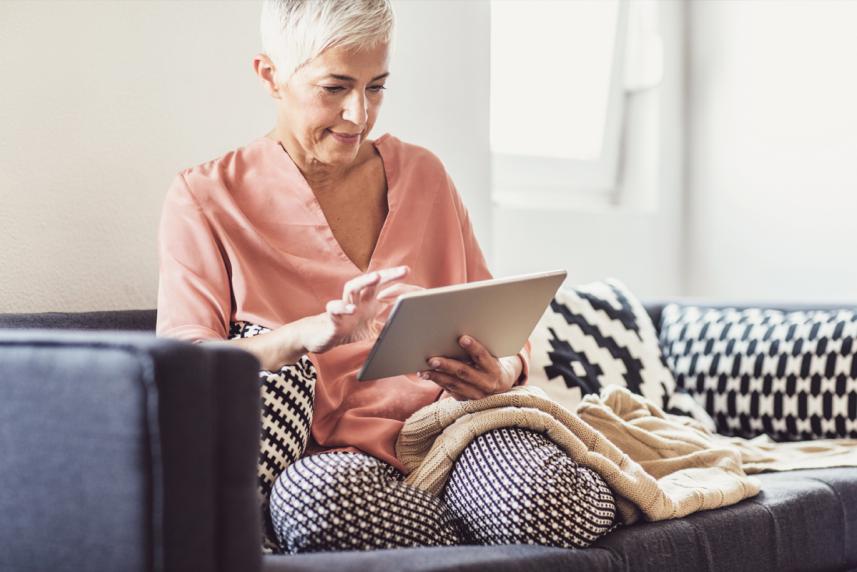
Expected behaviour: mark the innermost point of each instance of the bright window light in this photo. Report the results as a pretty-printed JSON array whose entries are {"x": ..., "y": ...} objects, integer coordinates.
[{"x": 551, "y": 65}]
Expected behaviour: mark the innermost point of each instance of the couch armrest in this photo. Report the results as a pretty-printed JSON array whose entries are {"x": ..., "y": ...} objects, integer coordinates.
[{"x": 123, "y": 451}]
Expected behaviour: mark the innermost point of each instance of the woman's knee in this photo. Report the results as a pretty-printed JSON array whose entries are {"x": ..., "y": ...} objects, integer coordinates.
[
  {"x": 516, "y": 486},
  {"x": 349, "y": 501}
]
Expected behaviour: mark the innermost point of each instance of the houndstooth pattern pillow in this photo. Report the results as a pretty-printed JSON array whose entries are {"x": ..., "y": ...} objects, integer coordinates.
[
  {"x": 791, "y": 375},
  {"x": 287, "y": 398},
  {"x": 599, "y": 334}
]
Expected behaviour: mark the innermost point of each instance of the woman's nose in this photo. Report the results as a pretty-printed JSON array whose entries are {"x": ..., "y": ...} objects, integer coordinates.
[{"x": 356, "y": 109}]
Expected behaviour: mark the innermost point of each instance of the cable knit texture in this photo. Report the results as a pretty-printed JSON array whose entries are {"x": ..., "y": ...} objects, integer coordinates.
[{"x": 659, "y": 466}]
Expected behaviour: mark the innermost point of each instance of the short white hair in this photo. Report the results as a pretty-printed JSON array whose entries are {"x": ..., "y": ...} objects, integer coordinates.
[{"x": 296, "y": 31}]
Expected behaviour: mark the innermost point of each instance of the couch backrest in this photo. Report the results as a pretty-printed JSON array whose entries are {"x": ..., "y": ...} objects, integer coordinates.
[
  {"x": 140, "y": 320},
  {"x": 145, "y": 320}
]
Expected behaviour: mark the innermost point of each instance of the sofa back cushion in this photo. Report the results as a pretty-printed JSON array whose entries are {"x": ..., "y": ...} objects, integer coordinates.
[{"x": 791, "y": 374}]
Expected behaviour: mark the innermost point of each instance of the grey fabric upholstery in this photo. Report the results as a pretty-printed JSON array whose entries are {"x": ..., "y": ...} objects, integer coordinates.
[
  {"x": 52, "y": 433},
  {"x": 122, "y": 451},
  {"x": 142, "y": 320}
]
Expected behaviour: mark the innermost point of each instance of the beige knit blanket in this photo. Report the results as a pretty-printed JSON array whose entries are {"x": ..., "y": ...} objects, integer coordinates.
[{"x": 659, "y": 466}]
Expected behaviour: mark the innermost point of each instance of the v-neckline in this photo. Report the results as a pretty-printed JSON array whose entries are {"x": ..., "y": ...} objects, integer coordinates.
[{"x": 314, "y": 206}]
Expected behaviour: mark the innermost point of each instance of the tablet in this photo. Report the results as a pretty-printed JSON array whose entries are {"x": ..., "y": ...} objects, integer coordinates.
[{"x": 501, "y": 313}]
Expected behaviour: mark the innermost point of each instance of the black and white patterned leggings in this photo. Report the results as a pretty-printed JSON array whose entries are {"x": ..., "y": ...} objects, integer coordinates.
[{"x": 509, "y": 486}]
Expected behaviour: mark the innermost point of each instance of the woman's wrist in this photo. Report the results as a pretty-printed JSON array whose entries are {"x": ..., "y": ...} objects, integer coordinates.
[
  {"x": 289, "y": 346},
  {"x": 511, "y": 368},
  {"x": 276, "y": 348}
]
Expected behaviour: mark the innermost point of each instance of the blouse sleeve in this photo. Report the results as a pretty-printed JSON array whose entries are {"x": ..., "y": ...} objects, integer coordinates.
[
  {"x": 194, "y": 294},
  {"x": 477, "y": 268}
]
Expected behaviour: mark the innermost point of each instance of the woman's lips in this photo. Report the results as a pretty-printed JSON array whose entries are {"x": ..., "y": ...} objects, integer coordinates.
[{"x": 345, "y": 139}]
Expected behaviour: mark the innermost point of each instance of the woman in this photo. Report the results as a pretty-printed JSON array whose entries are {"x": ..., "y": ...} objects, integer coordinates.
[{"x": 302, "y": 239}]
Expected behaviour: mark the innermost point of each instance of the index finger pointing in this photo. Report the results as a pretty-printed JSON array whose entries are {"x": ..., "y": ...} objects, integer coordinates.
[
  {"x": 356, "y": 284},
  {"x": 389, "y": 274}
]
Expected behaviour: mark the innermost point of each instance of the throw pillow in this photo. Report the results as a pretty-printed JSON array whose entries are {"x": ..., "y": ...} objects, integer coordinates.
[
  {"x": 287, "y": 397},
  {"x": 791, "y": 375},
  {"x": 599, "y": 334}
]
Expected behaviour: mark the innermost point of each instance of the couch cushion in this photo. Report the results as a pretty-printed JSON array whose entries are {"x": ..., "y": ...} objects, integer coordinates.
[
  {"x": 801, "y": 520},
  {"x": 599, "y": 334},
  {"x": 520, "y": 557},
  {"x": 792, "y": 375},
  {"x": 286, "y": 402}
]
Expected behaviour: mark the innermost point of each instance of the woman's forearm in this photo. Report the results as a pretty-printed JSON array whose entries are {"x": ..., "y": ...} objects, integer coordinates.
[{"x": 276, "y": 348}]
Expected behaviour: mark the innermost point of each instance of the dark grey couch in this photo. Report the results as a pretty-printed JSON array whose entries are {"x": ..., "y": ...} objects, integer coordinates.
[{"x": 122, "y": 451}]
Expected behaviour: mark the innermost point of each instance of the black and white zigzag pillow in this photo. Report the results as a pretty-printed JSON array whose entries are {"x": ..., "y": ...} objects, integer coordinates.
[
  {"x": 599, "y": 334},
  {"x": 287, "y": 397},
  {"x": 791, "y": 375}
]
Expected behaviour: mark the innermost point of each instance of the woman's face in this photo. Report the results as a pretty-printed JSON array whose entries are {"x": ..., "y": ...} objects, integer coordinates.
[{"x": 338, "y": 93}]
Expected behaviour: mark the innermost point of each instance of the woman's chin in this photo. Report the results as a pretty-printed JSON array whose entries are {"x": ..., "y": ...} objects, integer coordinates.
[{"x": 341, "y": 153}]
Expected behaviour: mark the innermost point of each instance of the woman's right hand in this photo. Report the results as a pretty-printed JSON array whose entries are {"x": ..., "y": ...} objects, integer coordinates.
[{"x": 353, "y": 318}]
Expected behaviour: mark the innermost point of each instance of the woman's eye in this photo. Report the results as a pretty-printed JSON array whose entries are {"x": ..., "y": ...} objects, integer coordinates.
[{"x": 339, "y": 88}]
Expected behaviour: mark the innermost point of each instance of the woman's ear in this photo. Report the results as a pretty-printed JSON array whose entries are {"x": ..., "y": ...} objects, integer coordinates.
[{"x": 267, "y": 71}]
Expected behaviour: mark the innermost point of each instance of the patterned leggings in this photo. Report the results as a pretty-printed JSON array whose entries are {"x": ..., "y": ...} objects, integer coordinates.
[{"x": 510, "y": 486}]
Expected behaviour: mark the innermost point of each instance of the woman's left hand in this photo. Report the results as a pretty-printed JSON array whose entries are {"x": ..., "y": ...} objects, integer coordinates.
[{"x": 484, "y": 376}]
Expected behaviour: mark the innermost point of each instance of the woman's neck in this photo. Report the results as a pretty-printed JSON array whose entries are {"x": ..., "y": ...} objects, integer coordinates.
[{"x": 319, "y": 175}]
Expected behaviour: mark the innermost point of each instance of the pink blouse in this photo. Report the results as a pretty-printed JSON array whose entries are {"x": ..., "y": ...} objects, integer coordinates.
[{"x": 243, "y": 238}]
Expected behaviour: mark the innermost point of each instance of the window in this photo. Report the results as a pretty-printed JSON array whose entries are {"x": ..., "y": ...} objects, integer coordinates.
[
  {"x": 560, "y": 75},
  {"x": 550, "y": 77}
]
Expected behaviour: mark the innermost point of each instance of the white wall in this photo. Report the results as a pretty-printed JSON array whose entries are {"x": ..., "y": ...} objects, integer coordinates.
[
  {"x": 102, "y": 102},
  {"x": 638, "y": 241},
  {"x": 773, "y": 150}
]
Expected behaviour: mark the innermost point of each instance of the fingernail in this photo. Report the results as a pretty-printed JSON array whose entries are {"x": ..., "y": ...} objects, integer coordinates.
[
  {"x": 423, "y": 375},
  {"x": 465, "y": 341},
  {"x": 434, "y": 363}
]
